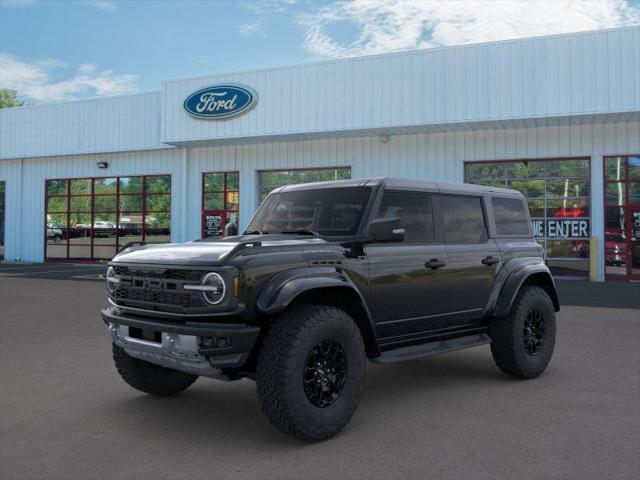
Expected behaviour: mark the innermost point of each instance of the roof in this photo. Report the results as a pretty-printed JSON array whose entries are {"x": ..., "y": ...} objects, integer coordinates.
[
  {"x": 400, "y": 183},
  {"x": 527, "y": 82}
]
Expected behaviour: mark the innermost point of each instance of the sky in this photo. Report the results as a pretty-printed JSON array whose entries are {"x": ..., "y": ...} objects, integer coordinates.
[{"x": 60, "y": 50}]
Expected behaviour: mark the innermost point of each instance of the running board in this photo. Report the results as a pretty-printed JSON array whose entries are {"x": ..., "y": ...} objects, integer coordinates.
[{"x": 432, "y": 348}]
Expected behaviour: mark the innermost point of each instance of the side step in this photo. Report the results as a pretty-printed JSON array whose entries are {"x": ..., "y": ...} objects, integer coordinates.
[{"x": 432, "y": 348}]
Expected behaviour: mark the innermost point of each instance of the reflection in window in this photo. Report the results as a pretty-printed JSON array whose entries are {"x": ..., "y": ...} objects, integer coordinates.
[
  {"x": 463, "y": 219},
  {"x": 510, "y": 216},
  {"x": 614, "y": 193},
  {"x": 93, "y": 218},
  {"x": 2, "y": 215},
  {"x": 615, "y": 168},
  {"x": 414, "y": 211},
  {"x": 622, "y": 197},
  {"x": 220, "y": 202},
  {"x": 556, "y": 190},
  {"x": 269, "y": 180}
]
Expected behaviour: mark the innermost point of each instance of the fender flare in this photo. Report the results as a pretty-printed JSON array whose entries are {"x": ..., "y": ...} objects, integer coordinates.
[
  {"x": 286, "y": 286},
  {"x": 517, "y": 278}
]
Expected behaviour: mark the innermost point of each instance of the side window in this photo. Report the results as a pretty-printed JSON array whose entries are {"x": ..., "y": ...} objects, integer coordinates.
[
  {"x": 463, "y": 219},
  {"x": 510, "y": 216},
  {"x": 414, "y": 210}
]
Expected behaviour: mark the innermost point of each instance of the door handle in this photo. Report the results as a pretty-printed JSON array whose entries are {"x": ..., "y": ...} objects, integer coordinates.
[
  {"x": 434, "y": 264},
  {"x": 488, "y": 261}
]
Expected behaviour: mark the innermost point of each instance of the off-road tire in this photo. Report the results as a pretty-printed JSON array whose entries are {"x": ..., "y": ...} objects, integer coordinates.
[
  {"x": 150, "y": 378},
  {"x": 281, "y": 365},
  {"x": 507, "y": 344}
]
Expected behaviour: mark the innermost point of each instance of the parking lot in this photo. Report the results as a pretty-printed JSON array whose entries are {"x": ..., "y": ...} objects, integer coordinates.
[{"x": 65, "y": 413}]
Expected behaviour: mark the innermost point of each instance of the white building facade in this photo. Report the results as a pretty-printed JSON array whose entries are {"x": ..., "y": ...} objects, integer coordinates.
[{"x": 556, "y": 117}]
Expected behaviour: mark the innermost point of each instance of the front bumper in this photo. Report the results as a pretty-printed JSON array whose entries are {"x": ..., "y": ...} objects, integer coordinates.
[{"x": 179, "y": 345}]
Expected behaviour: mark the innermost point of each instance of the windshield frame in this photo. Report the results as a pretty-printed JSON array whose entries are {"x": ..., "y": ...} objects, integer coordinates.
[{"x": 362, "y": 226}]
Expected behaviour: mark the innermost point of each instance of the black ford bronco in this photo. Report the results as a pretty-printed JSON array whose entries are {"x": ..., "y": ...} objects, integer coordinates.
[{"x": 326, "y": 276}]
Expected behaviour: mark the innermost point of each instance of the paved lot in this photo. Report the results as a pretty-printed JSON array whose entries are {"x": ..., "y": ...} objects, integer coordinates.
[{"x": 65, "y": 414}]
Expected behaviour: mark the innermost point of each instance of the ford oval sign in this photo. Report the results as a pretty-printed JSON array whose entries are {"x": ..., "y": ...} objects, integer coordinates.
[{"x": 220, "y": 101}]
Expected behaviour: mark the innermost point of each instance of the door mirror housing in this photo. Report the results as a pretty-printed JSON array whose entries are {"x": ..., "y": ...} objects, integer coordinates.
[{"x": 385, "y": 230}]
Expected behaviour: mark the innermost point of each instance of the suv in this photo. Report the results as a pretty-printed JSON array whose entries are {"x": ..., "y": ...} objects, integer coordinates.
[{"x": 326, "y": 276}]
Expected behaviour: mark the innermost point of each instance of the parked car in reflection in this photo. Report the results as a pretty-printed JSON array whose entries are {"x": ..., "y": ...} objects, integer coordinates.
[
  {"x": 54, "y": 232},
  {"x": 615, "y": 249},
  {"x": 102, "y": 228}
]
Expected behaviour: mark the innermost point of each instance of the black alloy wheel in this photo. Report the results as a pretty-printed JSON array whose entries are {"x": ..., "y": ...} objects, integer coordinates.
[
  {"x": 533, "y": 332},
  {"x": 325, "y": 373}
]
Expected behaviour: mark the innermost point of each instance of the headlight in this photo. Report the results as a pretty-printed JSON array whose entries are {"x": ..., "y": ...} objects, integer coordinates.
[
  {"x": 112, "y": 280},
  {"x": 212, "y": 287}
]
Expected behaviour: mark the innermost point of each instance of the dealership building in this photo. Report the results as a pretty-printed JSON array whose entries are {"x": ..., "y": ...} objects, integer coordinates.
[{"x": 555, "y": 117}]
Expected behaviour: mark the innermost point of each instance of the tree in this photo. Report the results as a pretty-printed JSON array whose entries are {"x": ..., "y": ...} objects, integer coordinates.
[{"x": 8, "y": 98}]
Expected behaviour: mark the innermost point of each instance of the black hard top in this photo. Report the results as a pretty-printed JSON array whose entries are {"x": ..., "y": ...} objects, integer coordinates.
[{"x": 399, "y": 183}]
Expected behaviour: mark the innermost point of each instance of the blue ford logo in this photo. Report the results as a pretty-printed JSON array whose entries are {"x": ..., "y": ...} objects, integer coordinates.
[{"x": 220, "y": 101}]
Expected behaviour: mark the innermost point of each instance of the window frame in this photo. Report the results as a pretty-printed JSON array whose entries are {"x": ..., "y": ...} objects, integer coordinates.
[
  {"x": 434, "y": 204},
  {"x": 492, "y": 218},
  {"x": 117, "y": 245},
  {"x": 483, "y": 209}
]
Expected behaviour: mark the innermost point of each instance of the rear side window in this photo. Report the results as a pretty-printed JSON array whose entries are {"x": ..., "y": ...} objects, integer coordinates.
[
  {"x": 463, "y": 219},
  {"x": 510, "y": 216},
  {"x": 414, "y": 211}
]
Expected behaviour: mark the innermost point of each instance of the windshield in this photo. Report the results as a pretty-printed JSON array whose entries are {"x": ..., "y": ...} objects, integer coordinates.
[{"x": 329, "y": 212}]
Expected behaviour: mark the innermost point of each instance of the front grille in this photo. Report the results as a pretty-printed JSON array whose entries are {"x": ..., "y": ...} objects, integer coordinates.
[
  {"x": 151, "y": 296},
  {"x": 158, "y": 288},
  {"x": 161, "y": 273}
]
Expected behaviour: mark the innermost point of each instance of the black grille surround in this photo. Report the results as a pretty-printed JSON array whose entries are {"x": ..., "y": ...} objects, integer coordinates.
[{"x": 158, "y": 289}]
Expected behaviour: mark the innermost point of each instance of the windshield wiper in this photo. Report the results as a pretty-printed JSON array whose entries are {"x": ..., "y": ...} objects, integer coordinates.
[
  {"x": 255, "y": 232},
  {"x": 302, "y": 231}
]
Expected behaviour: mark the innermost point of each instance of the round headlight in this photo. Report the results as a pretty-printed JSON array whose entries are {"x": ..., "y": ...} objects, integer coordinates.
[
  {"x": 112, "y": 280},
  {"x": 214, "y": 289}
]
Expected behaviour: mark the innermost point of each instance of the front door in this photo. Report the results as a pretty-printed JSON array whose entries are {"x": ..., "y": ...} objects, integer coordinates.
[{"x": 406, "y": 278}]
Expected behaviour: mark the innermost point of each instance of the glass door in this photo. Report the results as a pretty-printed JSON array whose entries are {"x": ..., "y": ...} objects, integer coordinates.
[
  {"x": 622, "y": 217},
  {"x": 634, "y": 223},
  {"x": 220, "y": 202}
]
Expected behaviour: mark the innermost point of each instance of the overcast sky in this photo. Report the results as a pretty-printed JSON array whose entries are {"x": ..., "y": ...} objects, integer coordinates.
[{"x": 52, "y": 51}]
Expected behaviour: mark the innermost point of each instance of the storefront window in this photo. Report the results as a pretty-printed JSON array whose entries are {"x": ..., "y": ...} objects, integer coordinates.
[
  {"x": 93, "y": 218},
  {"x": 622, "y": 217},
  {"x": 2, "y": 210},
  {"x": 269, "y": 180},
  {"x": 220, "y": 202},
  {"x": 558, "y": 194}
]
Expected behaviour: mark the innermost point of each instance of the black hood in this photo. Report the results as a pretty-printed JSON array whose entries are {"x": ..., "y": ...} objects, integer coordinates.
[{"x": 208, "y": 252}]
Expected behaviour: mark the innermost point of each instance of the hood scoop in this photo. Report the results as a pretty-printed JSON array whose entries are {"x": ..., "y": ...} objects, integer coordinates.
[{"x": 322, "y": 258}]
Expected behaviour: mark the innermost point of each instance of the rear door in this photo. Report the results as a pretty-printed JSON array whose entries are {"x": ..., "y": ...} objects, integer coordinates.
[
  {"x": 407, "y": 283},
  {"x": 473, "y": 258}
]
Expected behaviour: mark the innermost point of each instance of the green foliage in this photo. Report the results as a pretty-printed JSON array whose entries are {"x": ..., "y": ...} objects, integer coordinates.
[{"x": 8, "y": 98}]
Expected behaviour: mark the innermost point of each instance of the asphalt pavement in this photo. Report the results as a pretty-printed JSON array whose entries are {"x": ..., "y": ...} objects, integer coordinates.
[{"x": 65, "y": 413}]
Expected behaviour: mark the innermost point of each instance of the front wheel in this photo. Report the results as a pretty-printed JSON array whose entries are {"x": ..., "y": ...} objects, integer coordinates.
[
  {"x": 150, "y": 378},
  {"x": 310, "y": 371},
  {"x": 522, "y": 342}
]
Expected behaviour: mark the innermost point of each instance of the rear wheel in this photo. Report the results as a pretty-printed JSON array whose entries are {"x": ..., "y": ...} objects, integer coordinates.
[
  {"x": 522, "y": 343},
  {"x": 150, "y": 378},
  {"x": 310, "y": 371}
]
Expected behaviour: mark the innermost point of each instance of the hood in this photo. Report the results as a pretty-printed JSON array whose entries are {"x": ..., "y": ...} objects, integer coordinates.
[{"x": 207, "y": 252}]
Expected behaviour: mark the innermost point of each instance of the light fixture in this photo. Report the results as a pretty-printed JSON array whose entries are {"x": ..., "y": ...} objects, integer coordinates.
[{"x": 102, "y": 164}]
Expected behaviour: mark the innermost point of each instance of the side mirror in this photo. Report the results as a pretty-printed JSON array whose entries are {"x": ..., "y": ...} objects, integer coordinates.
[{"x": 385, "y": 230}]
